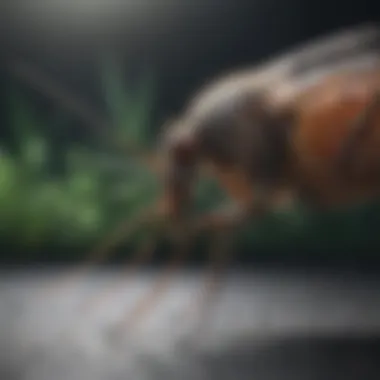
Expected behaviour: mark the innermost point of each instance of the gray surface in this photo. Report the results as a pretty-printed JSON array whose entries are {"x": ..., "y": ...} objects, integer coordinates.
[{"x": 264, "y": 326}]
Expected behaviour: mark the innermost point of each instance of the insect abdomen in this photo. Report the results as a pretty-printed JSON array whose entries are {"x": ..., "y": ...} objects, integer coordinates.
[{"x": 326, "y": 118}]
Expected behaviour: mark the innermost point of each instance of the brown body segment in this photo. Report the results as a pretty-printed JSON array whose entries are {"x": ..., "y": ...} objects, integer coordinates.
[{"x": 325, "y": 121}]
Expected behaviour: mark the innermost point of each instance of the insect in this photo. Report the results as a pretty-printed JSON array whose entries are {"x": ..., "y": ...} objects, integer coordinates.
[
  {"x": 302, "y": 127},
  {"x": 294, "y": 130},
  {"x": 313, "y": 133}
]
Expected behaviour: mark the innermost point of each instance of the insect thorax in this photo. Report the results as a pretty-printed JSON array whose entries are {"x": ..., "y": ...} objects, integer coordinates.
[{"x": 238, "y": 129}]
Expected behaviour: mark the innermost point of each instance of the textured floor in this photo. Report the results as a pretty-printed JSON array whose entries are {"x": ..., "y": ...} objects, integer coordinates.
[{"x": 264, "y": 326}]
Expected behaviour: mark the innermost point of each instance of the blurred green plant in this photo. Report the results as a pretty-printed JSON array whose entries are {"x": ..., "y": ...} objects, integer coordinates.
[
  {"x": 131, "y": 112},
  {"x": 78, "y": 206}
]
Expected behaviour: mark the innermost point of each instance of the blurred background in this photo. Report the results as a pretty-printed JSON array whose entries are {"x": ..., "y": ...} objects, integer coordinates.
[{"x": 66, "y": 182}]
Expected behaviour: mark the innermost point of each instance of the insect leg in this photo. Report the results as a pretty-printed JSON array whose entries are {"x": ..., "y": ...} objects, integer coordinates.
[
  {"x": 147, "y": 302},
  {"x": 223, "y": 223},
  {"x": 122, "y": 232},
  {"x": 219, "y": 258},
  {"x": 140, "y": 258}
]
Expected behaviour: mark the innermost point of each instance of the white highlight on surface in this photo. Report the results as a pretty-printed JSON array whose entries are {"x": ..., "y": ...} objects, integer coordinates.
[{"x": 253, "y": 307}]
